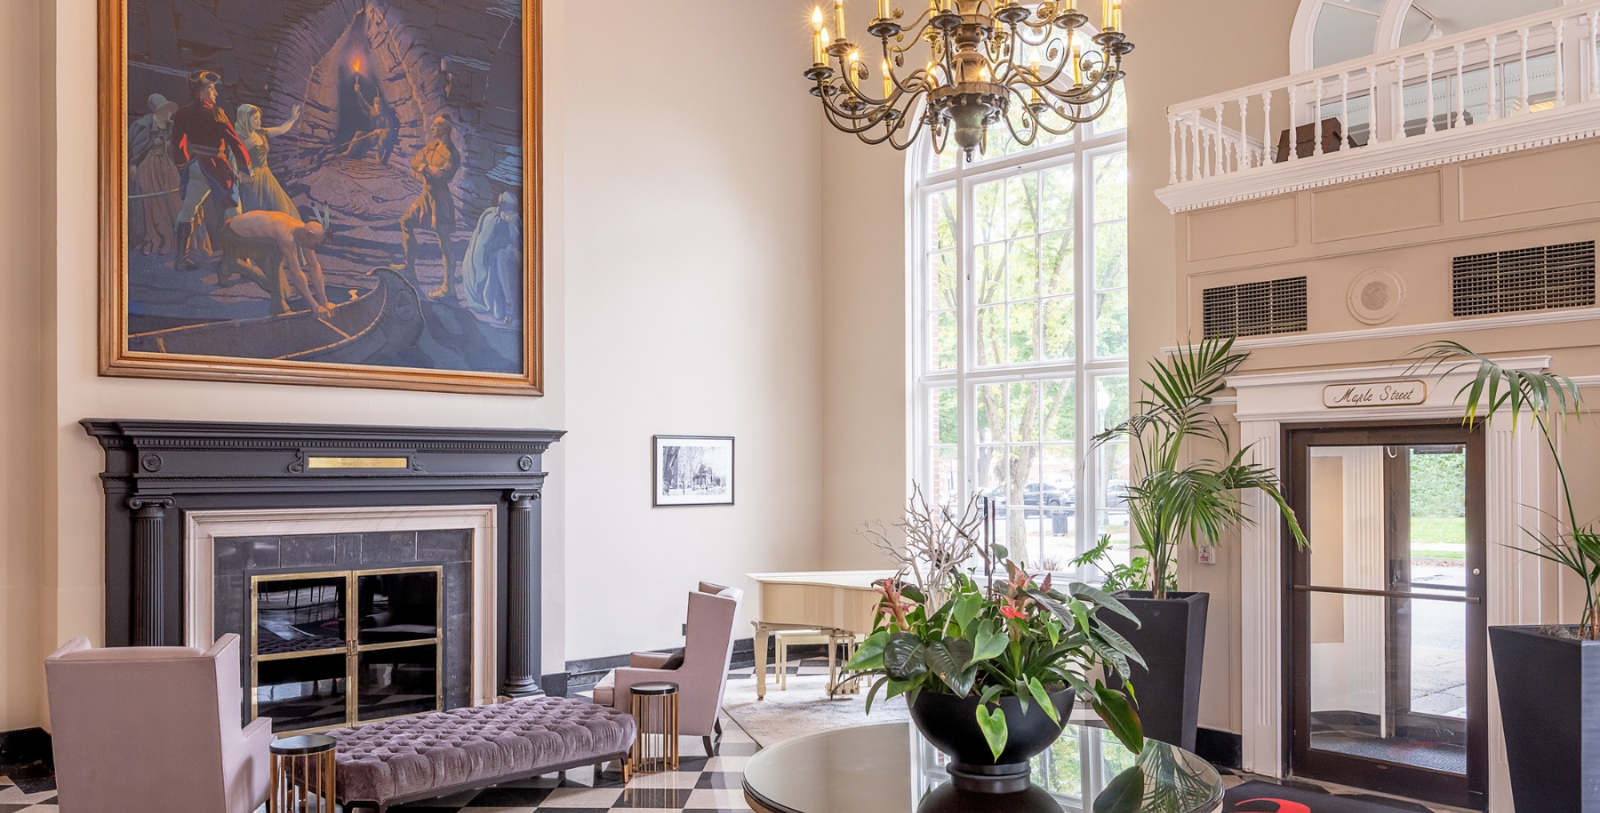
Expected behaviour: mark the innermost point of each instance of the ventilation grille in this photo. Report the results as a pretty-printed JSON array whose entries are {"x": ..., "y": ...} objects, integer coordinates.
[
  {"x": 1528, "y": 279},
  {"x": 1255, "y": 308}
]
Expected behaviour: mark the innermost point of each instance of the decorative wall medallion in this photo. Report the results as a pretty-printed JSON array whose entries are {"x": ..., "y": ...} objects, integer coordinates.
[
  {"x": 525, "y": 462},
  {"x": 1376, "y": 296},
  {"x": 1411, "y": 392},
  {"x": 151, "y": 462}
]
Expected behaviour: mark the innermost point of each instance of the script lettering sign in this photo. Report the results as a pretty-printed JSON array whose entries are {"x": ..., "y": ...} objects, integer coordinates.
[{"x": 1375, "y": 394}]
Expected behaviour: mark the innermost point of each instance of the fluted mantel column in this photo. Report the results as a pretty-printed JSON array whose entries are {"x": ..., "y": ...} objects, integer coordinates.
[
  {"x": 149, "y": 524},
  {"x": 522, "y": 598}
]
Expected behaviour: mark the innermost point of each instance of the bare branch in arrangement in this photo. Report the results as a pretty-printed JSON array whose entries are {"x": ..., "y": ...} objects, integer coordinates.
[{"x": 937, "y": 543}]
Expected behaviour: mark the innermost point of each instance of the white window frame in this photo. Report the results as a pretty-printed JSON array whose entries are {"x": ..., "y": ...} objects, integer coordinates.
[{"x": 1083, "y": 369}]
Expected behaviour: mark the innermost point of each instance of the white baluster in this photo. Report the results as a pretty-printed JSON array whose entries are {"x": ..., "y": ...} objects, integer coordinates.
[
  {"x": 1266, "y": 127},
  {"x": 1199, "y": 154},
  {"x": 1294, "y": 135},
  {"x": 1400, "y": 96},
  {"x": 1561, "y": 63},
  {"x": 1429, "y": 86},
  {"x": 1221, "y": 148},
  {"x": 1318, "y": 132},
  {"x": 1172, "y": 144},
  {"x": 1461, "y": 87},
  {"x": 1372, "y": 103},
  {"x": 1523, "y": 81},
  {"x": 1594, "y": 53},
  {"x": 1344, "y": 109},
  {"x": 1494, "y": 108},
  {"x": 1183, "y": 152},
  {"x": 1244, "y": 129}
]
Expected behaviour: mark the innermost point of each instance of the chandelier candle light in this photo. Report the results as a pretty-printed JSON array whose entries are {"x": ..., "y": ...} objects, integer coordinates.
[{"x": 989, "y": 61}]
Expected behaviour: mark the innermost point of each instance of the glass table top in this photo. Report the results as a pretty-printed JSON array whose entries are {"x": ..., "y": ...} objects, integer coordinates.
[{"x": 888, "y": 768}]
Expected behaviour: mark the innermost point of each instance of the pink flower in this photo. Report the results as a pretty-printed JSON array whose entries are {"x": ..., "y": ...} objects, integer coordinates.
[{"x": 1009, "y": 612}]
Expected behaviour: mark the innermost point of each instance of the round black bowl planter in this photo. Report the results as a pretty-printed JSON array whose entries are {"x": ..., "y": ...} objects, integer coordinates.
[{"x": 951, "y": 724}]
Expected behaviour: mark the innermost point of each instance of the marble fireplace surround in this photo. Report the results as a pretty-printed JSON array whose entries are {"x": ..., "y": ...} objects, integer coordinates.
[{"x": 202, "y": 529}]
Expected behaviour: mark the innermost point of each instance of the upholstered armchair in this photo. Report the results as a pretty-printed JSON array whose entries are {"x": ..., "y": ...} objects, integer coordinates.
[
  {"x": 154, "y": 728},
  {"x": 708, "y": 647}
]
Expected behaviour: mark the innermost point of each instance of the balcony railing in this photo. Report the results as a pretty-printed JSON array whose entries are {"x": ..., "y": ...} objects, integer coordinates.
[{"x": 1514, "y": 85}]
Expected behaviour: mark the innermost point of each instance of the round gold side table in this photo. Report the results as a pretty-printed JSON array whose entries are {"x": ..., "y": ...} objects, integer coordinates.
[
  {"x": 303, "y": 775},
  {"x": 655, "y": 709}
]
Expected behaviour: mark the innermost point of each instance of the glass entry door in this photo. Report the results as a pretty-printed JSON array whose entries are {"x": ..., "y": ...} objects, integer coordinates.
[{"x": 1389, "y": 650}]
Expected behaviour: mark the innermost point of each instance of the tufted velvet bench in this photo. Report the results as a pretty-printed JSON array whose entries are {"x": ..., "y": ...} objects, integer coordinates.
[{"x": 405, "y": 760}]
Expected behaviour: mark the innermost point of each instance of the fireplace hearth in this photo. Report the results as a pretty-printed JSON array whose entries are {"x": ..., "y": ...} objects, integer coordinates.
[{"x": 394, "y": 569}]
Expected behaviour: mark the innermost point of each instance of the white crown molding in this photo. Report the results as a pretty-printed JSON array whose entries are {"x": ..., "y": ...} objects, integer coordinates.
[
  {"x": 1340, "y": 375},
  {"x": 1512, "y": 320},
  {"x": 1513, "y": 134}
]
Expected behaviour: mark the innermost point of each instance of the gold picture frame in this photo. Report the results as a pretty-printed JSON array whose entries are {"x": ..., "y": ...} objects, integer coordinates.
[{"x": 304, "y": 355}]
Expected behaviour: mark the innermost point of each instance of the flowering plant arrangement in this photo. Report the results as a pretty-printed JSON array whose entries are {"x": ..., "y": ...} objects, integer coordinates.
[{"x": 943, "y": 632}]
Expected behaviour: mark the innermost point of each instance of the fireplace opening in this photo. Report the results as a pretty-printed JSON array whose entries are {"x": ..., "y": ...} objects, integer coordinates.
[{"x": 338, "y": 648}]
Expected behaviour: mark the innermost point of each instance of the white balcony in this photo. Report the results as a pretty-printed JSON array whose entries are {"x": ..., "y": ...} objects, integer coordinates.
[{"x": 1520, "y": 84}]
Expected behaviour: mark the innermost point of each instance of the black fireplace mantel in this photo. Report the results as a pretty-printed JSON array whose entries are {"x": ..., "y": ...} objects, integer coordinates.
[{"x": 156, "y": 470}]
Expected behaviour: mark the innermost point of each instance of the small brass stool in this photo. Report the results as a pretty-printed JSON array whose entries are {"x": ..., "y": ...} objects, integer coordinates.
[
  {"x": 303, "y": 772},
  {"x": 655, "y": 709}
]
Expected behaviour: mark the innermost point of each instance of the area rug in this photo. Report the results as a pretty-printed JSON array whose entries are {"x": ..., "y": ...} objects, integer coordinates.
[
  {"x": 1265, "y": 797},
  {"x": 803, "y": 709}
]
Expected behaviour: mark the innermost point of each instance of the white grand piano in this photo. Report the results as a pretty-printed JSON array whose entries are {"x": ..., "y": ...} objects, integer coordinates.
[{"x": 839, "y": 603}]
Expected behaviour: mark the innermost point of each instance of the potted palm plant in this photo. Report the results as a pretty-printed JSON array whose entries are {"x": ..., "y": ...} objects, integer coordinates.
[
  {"x": 1173, "y": 499},
  {"x": 1548, "y": 676},
  {"x": 990, "y": 663}
]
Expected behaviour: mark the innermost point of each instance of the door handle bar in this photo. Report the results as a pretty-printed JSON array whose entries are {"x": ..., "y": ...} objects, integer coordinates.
[{"x": 1353, "y": 591}]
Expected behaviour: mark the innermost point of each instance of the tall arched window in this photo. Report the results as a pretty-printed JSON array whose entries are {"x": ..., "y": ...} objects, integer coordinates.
[
  {"x": 1021, "y": 343},
  {"x": 1327, "y": 32}
]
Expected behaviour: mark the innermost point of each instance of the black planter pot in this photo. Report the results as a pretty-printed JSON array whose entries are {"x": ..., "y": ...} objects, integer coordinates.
[
  {"x": 1550, "y": 709},
  {"x": 1171, "y": 637},
  {"x": 951, "y": 724}
]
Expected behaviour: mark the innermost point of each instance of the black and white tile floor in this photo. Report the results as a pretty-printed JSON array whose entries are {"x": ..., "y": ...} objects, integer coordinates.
[{"x": 700, "y": 785}]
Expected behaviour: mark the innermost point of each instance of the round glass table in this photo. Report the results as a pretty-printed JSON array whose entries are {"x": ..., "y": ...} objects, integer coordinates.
[{"x": 888, "y": 768}]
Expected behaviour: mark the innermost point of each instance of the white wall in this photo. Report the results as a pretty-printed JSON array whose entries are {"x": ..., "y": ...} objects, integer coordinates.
[{"x": 693, "y": 305}]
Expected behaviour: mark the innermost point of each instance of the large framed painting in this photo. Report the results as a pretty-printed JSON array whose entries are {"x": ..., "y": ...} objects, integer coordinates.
[{"x": 335, "y": 192}]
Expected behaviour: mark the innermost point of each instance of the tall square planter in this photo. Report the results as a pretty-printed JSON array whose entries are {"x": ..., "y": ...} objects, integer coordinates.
[
  {"x": 1171, "y": 637},
  {"x": 1550, "y": 710}
]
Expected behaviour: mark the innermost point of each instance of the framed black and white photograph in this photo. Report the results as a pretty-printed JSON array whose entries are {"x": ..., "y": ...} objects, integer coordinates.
[{"x": 693, "y": 470}]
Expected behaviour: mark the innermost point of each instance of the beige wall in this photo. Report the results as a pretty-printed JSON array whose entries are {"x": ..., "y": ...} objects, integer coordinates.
[
  {"x": 693, "y": 308},
  {"x": 865, "y": 400},
  {"x": 22, "y": 397},
  {"x": 1178, "y": 59},
  {"x": 666, "y": 220}
]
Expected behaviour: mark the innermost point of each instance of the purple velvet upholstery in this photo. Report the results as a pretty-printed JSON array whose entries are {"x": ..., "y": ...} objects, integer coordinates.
[{"x": 411, "y": 757}]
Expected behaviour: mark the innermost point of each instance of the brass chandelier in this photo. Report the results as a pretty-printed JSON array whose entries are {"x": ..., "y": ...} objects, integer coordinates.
[{"x": 984, "y": 56}]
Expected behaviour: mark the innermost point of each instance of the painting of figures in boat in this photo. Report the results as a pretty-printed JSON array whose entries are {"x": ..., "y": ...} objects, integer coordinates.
[{"x": 338, "y": 192}]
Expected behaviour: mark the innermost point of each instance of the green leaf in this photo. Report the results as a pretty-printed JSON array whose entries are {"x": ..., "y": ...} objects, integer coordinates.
[
  {"x": 994, "y": 728},
  {"x": 990, "y": 693},
  {"x": 999, "y": 552},
  {"x": 1081, "y": 614},
  {"x": 1102, "y": 599},
  {"x": 911, "y": 592},
  {"x": 870, "y": 654},
  {"x": 904, "y": 657},
  {"x": 1037, "y": 690},
  {"x": 1121, "y": 644},
  {"x": 1123, "y": 794},
  {"x": 873, "y": 692},
  {"x": 991, "y": 642},
  {"x": 1114, "y": 708},
  {"x": 966, "y": 608},
  {"x": 949, "y": 660},
  {"x": 1021, "y": 691}
]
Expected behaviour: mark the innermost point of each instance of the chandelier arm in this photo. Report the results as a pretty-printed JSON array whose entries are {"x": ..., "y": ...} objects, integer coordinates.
[
  {"x": 1091, "y": 93},
  {"x": 1071, "y": 124},
  {"x": 1105, "y": 104},
  {"x": 1045, "y": 35}
]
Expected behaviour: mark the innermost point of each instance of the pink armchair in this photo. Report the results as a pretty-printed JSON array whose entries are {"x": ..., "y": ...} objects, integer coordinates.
[
  {"x": 154, "y": 728},
  {"x": 708, "y": 648}
]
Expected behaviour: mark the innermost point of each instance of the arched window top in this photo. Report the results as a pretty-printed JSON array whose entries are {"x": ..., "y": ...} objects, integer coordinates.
[{"x": 1327, "y": 32}]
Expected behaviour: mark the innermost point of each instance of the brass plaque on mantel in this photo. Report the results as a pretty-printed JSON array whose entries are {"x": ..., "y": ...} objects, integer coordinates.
[
  {"x": 1411, "y": 392},
  {"x": 357, "y": 462}
]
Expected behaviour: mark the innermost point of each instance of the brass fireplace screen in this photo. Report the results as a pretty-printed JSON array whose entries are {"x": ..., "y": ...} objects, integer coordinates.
[{"x": 339, "y": 648}]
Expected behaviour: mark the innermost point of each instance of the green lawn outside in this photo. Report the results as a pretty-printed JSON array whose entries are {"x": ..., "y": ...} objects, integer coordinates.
[{"x": 1439, "y": 537}]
